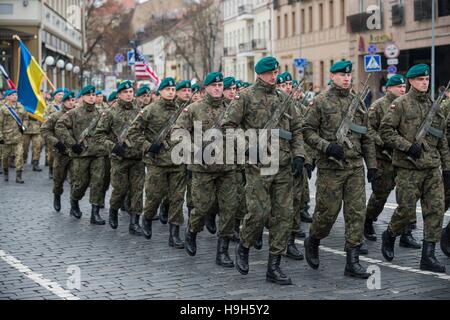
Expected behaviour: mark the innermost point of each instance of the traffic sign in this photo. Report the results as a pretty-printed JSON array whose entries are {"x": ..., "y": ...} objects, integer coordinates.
[
  {"x": 392, "y": 51},
  {"x": 372, "y": 63},
  {"x": 391, "y": 62},
  {"x": 300, "y": 63},
  {"x": 392, "y": 69},
  {"x": 372, "y": 49},
  {"x": 119, "y": 58},
  {"x": 131, "y": 58}
]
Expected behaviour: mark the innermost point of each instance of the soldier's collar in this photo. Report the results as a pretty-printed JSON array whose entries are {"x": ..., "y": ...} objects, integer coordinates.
[
  {"x": 421, "y": 96},
  {"x": 125, "y": 104},
  {"x": 168, "y": 103},
  {"x": 89, "y": 107},
  {"x": 264, "y": 86},
  {"x": 339, "y": 91},
  {"x": 215, "y": 102},
  {"x": 390, "y": 96}
]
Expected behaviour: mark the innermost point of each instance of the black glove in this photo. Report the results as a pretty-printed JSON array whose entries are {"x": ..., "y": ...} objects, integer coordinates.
[
  {"x": 309, "y": 169},
  {"x": 76, "y": 148},
  {"x": 60, "y": 147},
  {"x": 371, "y": 175},
  {"x": 335, "y": 151},
  {"x": 415, "y": 151},
  {"x": 446, "y": 176},
  {"x": 2, "y": 141},
  {"x": 297, "y": 166},
  {"x": 154, "y": 149},
  {"x": 119, "y": 150}
]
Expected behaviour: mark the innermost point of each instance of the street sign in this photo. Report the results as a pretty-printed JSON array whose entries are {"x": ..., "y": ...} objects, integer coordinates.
[
  {"x": 392, "y": 51},
  {"x": 391, "y": 62},
  {"x": 372, "y": 63},
  {"x": 300, "y": 63},
  {"x": 119, "y": 58},
  {"x": 301, "y": 72},
  {"x": 130, "y": 58},
  {"x": 392, "y": 69},
  {"x": 372, "y": 49}
]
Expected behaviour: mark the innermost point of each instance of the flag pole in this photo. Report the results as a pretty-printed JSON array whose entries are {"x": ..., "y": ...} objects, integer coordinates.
[{"x": 16, "y": 37}]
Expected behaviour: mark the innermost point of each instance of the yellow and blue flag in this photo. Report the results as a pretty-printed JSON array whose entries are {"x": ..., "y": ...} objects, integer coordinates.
[{"x": 29, "y": 84}]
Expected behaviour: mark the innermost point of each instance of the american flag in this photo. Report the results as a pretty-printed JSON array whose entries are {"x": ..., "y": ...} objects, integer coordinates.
[{"x": 142, "y": 69}]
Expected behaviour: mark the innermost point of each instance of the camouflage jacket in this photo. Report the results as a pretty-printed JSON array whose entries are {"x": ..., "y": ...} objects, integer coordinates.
[
  {"x": 206, "y": 111},
  {"x": 254, "y": 107},
  {"x": 322, "y": 121},
  {"x": 446, "y": 110},
  {"x": 113, "y": 123},
  {"x": 102, "y": 107},
  {"x": 71, "y": 125},
  {"x": 310, "y": 153},
  {"x": 9, "y": 129},
  {"x": 145, "y": 128},
  {"x": 48, "y": 131},
  {"x": 399, "y": 128},
  {"x": 376, "y": 113},
  {"x": 52, "y": 107}
]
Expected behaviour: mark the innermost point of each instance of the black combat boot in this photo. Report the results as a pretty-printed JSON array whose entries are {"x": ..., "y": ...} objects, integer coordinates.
[
  {"x": 241, "y": 258},
  {"x": 147, "y": 227},
  {"x": 210, "y": 222},
  {"x": 259, "y": 242},
  {"x": 113, "y": 218},
  {"x": 164, "y": 212},
  {"x": 75, "y": 209},
  {"x": 407, "y": 240},
  {"x": 429, "y": 261},
  {"x": 387, "y": 245},
  {"x": 363, "y": 249},
  {"x": 134, "y": 227},
  {"x": 95, "y": 216},
  {"x": 36, "y": 166},
  {"x": 304, "y": 214},
  {"x": 292, "y": 251},
  {"x": 6, "y": 173},
  {"x": 445, "y": 241},
  {"x": 274, "y": 273},
  {"x": 353, "y": 268},
  {"x": 190, "y": 242},
  {"x": 312, "y": 252},
  {"x": 369, "y": 231},
  {"x": 19, "y": 177},
  {"x": 174, "y": 237},
  {"x": 236, "y": 237},
  {"x": 223, "y": 258},
  {"x": 50, "y": 173},
  {"x": 57, "y": 202}
]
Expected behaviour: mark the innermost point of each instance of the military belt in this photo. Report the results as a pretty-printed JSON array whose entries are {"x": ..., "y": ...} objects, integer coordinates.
[
  {"x": 358, "y": 129},
  {"x": 436, "y": 132}
]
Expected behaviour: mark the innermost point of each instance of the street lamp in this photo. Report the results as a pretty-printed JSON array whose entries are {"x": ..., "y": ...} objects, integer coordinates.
[
  {"x": 49, "y": 61},
  {"x": 76, "y": 70},
  {"x": 69, "y": 67},
  {"x": 60, "y": 64}
]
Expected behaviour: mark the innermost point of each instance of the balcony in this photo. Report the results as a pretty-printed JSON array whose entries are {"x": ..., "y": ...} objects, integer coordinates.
[
  {"x": 259, "y": 44},
  {"x": 245, "y": 12},
  {"x": 229, "y": 52}
]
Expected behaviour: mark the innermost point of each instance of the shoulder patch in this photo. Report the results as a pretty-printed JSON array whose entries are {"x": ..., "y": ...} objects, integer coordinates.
[
  {"x": 371, "y": 109},
  {"x": 186, "y": 110},
  {"x": 237, "y": 97},
  {"x": 392, "y": 107}
]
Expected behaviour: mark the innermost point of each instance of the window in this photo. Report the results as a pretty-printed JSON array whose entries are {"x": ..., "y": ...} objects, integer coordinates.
[
  {"x": 331, "y": 8},
  {"x": 310, "y": 14},
  {"x": 342, "y": 12},
  {"x": 443, "y": 8},
  {"x": 293, "y": 24},
  {"x": 6, "y": 8},
  {"x": 321, "y": 16},
  {"x": 302, "y": 22},
  {"x": 278, "y": 27},
  {"x": 286, "y": 26},
  {"x": 322, "y": 74}
]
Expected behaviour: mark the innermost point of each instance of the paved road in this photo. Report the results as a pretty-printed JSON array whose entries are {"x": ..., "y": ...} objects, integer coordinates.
[{"x": 42, "y": 252}]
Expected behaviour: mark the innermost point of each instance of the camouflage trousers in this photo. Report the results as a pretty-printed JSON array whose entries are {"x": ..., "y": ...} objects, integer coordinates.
[
  {"x": 412, "y": 186},
  {"x": 127, "y": 176},
  {"x": 381, "y": 187},
  {"x": 269, "y": 203},
  {"x": 189, "y": 201},
  {"x": 10, "y": 150},
  {"x": 300, "y": 197},
  {"x": 49, "y": 154},
  {"x": 61, "y": 168},
  {"x": 334, "y": 187},
  {"x": 207, "y": 188},
  {"x": 107, "y": 178},
  {"x": 241, "y": 201},
  {"x": 162, "y": 182},
  {"x": 88, "y": 172},
  {"x": 36, "y": 146}
]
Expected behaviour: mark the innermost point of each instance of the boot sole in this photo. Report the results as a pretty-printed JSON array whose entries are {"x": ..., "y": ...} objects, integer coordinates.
[
  {"x": 114, "y": 227},
  {"x": 225, "y": 265},
  {"x": 282, "y": 283},
  {"x": 241, "y": 271},
  {"x": 355, "y": 275},
  {"x": 409, "y": 246},
  {"x": 426, "y": 268},
  {"x": 297, "y": 258},
  {"x": 176, "y": 246},
  {"x": 192, "y": 254},
  {"x": 370, "y": 238}
]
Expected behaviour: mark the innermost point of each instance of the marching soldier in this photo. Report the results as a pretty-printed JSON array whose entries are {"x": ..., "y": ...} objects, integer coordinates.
[
  {"x": 76, "y": 129},
  {"x": 196, "y": 92},
  {"x": 100, "y": 101},
  {"x": 164, "y": 178},
  {"x": 269, "y": 197},
  {"x": 112, "y": 98},
  {"x": 127, "y": 168},
  {"x": 445, "y": 238},
  {"x": 13, "y": 124},
  {"x": 384, "y": 183},
  {"x": 32, "y": 136},
  {"x": 343, "y": 182},
  {"x": 61, "y": 163},
  {"x": 143, "y": 96},
  {"x": 418, "y": 175}
]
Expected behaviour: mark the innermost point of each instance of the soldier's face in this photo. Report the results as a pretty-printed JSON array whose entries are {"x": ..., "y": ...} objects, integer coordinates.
[
  {"x": 398, "y": 91},
  {"x": 196, "y": 96},
  {"x": 168, "y": 93},
  {"x": 421, "y": 84},
  {"x": 12, "y": 98},
  {"x": 215, "y": 89},
  {"x": 288, "y": 86},
  {"x": 70, "y": 103},
  {"x": 230, "y": 93},
  {"x": 147, "y": 98},
  {"x": 184, "y": 94},
  {"x": 127, "y": 95},
  {"x": 282, "y": 87},
  {"x": 99, "y": 99},
  {"x": 89, "y": 98},
  {"x": 269, "y": 77},
  {"x": 342, "y": 80},
  {"x": 58, "y": 97}
]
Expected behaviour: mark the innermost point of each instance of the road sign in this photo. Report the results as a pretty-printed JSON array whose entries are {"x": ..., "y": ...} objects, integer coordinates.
[
  {"x": 301, "y": 72},
  {"x": 372, "y": 49},
  {"x": 391, "y": 62},
  {"x": 119, "y": 58},
  {"x": 300, "y": 63},
  {"x": 392, "y": 51},
  {"x": 372, "y": 63},
  {"x": 130, "y": 58},
  {"x": 392, "y": 69}
]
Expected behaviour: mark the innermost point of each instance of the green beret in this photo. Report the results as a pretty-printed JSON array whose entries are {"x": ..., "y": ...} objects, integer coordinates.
[
  {"x": 294, "y": 83},
  {"x": 239, "y": 84},
  {"x": 143, "y": 90},
  {"x": 167, "y": 82},
  {"x": 396, "y": 80},
  {"x": 68, "y": 95},
  {"x": 112, "y": 96},
  {"x": 212, "y": 78},
  {"x": 87, "y": 90},
  {"x": 9, "y": 92},
  {"x": 246, "y": 84},
  {"x": 195, "y": 88},
  {"x": 183, "y": 84},
  {"x": 286, "y": 76},
  {"x": 266, "y": 64},
  {"x": 419, "y": 70},
  {"x": 157, "y": 93},
  {"x": 228, "y": 82},
  {"x": 59, "y": 90},
  {"x": 280, "y": 79},
  {"x": 124, "y": 85},
  {"x": 342, "y": 66}
]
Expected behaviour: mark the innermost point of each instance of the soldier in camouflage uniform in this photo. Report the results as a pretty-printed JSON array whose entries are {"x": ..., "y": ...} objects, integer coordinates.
[
  {"x": 100, "y": 101},
  {"x": 164, "y": 178},
  {"x": 343, "y": 182},
  {"x": 385, "y": 181},
  {"x": 76, "y": 129},
  {"x": 445, "y": 238},
  {"x": 210, "y": 182},
  {"x": 127, "y": 168},
  {"x": 13, "y": 123},
  {"x": 269, "y": 197},
  {"x": 144, "y": 96},
  {"x": 61, "y": 163},
  {"x": 32, "y": 135},
  {"x": 196, "y": 92},
  {"x": 112, "y": 98},
  {"x": 418, "y": 175}
]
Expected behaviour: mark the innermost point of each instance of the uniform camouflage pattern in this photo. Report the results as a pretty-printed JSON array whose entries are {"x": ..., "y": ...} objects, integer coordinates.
[
  {"x": 52, "y": 107},
  {"x": 32, "y": 135},
  {"x": 446, "y": 112}
]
